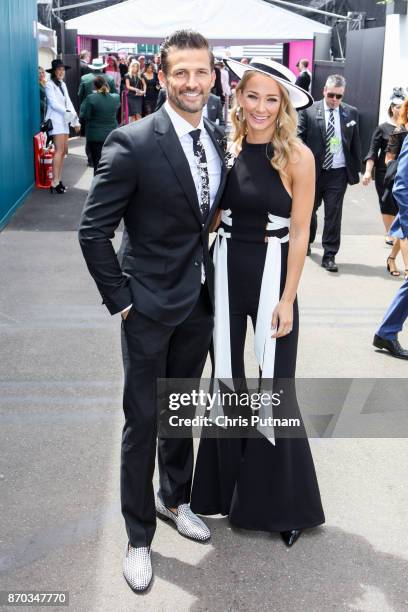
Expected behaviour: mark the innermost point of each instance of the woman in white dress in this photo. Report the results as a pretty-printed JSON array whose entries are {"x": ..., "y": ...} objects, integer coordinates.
[{"x": 62, "y": 113}]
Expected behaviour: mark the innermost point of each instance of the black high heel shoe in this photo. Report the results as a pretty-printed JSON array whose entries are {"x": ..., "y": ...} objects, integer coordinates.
[
  {"x": 61, "y": 184},
  {"x": 290, "y": 537},
  {"x": 57, "y": 189},
  {"x": 392, "y": 269}
]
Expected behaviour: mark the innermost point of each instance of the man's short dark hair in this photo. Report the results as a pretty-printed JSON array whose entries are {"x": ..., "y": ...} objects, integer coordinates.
[{"x": 183, "y": 39}]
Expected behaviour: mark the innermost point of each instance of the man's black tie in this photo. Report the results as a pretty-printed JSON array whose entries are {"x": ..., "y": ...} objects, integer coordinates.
[
  {"x": 201, "y": 159},
  {"x": 328, "y": 158}
]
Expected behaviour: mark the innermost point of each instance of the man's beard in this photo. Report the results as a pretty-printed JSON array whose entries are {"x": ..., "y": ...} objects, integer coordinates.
[{"x": 177, "y": 101}]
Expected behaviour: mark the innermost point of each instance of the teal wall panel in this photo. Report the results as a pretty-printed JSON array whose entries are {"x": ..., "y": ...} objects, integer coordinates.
[{"x": 19, "y": 102}]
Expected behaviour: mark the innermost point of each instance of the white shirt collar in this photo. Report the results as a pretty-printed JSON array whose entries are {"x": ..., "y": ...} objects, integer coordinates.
[
  {"x": 327, "y": 108},
  {"x": 181, "y": 126}
]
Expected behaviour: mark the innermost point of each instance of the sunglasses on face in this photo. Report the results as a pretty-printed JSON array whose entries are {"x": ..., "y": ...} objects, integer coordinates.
[{"x": 334, "y": 95}]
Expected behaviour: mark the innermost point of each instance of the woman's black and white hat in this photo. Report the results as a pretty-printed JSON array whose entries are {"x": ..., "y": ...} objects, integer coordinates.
[
  {"x": 285, "y": 77},
  {"x": 57, "y": 63},
  {"x": 398, "y": 96}
]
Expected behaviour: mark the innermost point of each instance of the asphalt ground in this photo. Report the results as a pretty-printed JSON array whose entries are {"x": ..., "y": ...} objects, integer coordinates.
[{"x": 60, "y": 411}]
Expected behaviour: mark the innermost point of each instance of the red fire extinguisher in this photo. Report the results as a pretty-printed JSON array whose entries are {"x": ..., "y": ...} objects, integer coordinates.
[{"x": 46, "y": 157}]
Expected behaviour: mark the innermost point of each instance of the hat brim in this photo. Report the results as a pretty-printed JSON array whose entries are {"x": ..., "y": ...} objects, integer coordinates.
[
  {"x": 97, "y": 67},
  {"x": 54, "y": 69},
  {"x": 299, "y": 98}
]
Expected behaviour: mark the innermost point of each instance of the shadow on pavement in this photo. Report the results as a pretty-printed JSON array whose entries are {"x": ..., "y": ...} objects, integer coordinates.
[{"x": 327, "y": 569}]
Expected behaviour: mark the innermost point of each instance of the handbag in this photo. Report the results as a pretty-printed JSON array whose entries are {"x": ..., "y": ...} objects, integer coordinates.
[
  {"x": 390, "y": 172},
  {"x": 46, "y": 126},
  {"x": 389, "y": 179}
]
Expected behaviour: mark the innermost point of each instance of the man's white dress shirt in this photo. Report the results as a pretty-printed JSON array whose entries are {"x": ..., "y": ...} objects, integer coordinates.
[{"x": 183, "y": 129}]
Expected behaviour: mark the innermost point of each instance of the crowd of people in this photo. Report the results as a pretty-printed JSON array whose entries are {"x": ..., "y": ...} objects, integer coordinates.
[
  {"x": 131, "y": 90},
  {"x": 117, "y": 90},
  {"x": 382, "y": 159}
]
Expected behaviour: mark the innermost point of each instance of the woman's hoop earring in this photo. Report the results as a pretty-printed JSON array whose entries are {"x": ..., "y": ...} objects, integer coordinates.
[{"x": 239, "y": 114}]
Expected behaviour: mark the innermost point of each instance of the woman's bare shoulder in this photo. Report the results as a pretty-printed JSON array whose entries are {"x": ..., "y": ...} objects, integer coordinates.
[{"x": 302, "y": 161}]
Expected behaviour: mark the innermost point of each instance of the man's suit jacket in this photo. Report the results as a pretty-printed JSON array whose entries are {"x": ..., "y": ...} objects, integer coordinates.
[
  {"x": 312, "y": 130},
  {"x": 399, "y": 227},
  {"x": 161, "y": 98},
  {"x": 144, "y": 178},
  {"x": 84, "y": 68},
  {"x": 86, "y": 86},
  {"x": 214, "y": 110},
  {"x": 303, "y": 80}
]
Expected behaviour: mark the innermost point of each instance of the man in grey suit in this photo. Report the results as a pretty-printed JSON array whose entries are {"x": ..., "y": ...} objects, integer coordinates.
[
  {"x": 213, "y": 111},
  {"x": 330, "y": 129}
]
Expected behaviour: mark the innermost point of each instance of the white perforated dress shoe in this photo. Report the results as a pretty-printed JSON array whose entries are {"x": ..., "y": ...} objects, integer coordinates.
[
  {"x": 137, "y": 567},
  {"x": 188, "y": 524}
]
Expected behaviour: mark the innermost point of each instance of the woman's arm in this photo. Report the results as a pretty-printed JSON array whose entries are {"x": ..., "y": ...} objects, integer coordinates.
[
  {"x": 129, "y": 86},
  {"x": 368, "y": 171},
  {"x": 302, "y": 175},
  {"x": 215, "y": 223},
  {"x": 372, "y": 155},
  {"x": 74, "y": 121}
]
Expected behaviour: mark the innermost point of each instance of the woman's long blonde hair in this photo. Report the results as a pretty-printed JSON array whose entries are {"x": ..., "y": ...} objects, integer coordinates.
[
  {"x": 285, "y": 143},
  {"x": 131, "y": 66}
]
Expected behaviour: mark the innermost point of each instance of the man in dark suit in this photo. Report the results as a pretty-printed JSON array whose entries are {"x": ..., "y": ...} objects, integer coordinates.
[
  {"x": 386, "y": 336},
  {"x": 213, "y": 111},
  {"x": 163, "y": 176},
  {"x": 161, "y": 98},
  {"x": 330, "y": 129},
  {"x": 84, "y": 58},
  {"x": 304, "y": 77}
]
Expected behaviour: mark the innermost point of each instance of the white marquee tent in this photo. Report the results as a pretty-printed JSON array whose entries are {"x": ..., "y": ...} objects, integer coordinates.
[{"x": 222, "y": 21}]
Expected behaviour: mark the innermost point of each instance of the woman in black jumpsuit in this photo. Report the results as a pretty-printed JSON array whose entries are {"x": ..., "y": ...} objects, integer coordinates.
[{"x": 259, "y": 484}]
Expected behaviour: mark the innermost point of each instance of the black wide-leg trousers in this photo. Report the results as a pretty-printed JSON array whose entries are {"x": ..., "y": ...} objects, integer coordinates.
[
  {"x": 258, "y": 485},
  {"x": 152, "y": 350},
  {"x": 330, "y": 188}
]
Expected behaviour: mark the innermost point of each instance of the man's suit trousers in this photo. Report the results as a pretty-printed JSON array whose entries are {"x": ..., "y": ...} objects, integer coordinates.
[
  {"x": 152, "y": 350},
  {"x": 331, "y": 186},
  {"x": 396, "y": 315}
]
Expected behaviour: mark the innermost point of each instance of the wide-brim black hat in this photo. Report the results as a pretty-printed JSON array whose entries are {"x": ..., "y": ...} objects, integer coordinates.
[
  {"x": 285, "y": 77},
  {"x": 57, "y": 63}
]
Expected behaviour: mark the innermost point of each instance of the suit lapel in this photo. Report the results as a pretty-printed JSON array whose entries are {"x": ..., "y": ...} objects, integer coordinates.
[
  {"x": 321, "y": 120},
  {"x": 172, "y": 149},
  {"x": 343, "y": 121}
]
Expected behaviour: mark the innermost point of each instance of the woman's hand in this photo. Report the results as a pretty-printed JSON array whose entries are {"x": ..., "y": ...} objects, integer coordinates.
[
  {"x": 366, "y": 178},
  {"x": 282, "y": 319},
  {"x": 77, "y": 129}
]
